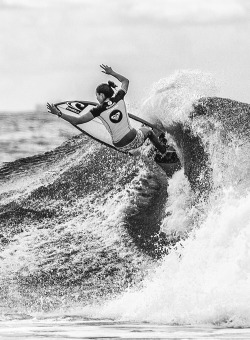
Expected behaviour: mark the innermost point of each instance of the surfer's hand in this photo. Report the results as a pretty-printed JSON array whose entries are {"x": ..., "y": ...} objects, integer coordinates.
[
  {"x": 106, "y": 69},
  {"x": 52, "y": 109}
]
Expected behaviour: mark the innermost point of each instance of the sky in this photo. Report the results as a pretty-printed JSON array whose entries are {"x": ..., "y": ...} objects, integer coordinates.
[{"x": 50, "y": 50}]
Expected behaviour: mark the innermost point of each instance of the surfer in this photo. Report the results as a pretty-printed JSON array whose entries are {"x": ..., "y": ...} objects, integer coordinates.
[{"x": 113, "y": 114}]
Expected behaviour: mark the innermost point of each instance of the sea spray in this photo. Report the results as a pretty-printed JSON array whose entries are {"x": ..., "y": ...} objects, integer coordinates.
[
  {"x": 179, "y": 207},
  {"x": 170, "y": 100},
  {"x": 206, "y": 280}
]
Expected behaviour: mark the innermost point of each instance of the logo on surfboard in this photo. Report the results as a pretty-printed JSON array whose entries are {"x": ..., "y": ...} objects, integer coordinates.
[
  {"x": 75, "y": 107},
  {"x": 115, "y": 116}
]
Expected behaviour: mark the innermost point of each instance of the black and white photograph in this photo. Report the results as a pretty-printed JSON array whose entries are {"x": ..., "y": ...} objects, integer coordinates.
[{"x": 124, "y": 169}]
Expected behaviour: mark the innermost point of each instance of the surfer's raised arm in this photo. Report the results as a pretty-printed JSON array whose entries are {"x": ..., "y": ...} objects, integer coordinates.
[{"x": 122, "y": 79}]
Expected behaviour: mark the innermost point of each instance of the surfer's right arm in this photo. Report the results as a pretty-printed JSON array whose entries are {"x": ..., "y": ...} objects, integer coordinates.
[
  {"x": 75, "y": 120},
  {"x": 122, "y": 79}
]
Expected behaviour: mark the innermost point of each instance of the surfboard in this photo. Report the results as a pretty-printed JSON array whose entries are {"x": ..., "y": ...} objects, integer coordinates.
[
  {"x": 97, "y": 131},
  {"x": 95, "y": 128}
]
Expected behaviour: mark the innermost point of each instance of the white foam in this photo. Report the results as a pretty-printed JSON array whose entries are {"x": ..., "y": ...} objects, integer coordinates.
[
  {"x": 209, "y": 283},
  {"x": 170, "y": 99}
]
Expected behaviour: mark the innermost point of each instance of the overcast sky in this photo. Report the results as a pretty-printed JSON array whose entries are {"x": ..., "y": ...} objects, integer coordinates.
[{"x": 51, "y": 49}]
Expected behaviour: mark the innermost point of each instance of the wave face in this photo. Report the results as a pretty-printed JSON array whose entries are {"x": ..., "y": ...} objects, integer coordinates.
[
  {"x": 82, "y": 220},
  {"x": 85, "y": 224}
]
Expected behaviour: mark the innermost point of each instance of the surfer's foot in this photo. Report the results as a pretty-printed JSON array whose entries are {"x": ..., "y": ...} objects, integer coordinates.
[
  {"x": 162, "y": 139},
  {"x": 169, "y": 156}
]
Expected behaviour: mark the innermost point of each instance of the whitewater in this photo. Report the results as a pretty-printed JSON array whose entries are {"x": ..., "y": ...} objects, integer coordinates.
[{"x": 95, "y": 243}]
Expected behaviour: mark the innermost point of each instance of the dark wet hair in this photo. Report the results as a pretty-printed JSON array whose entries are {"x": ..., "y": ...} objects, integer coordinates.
[{"x": 106, "y": 89}]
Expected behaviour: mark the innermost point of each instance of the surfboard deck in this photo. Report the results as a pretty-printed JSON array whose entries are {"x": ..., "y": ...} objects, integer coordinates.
[{"x": 97, "y": 131}]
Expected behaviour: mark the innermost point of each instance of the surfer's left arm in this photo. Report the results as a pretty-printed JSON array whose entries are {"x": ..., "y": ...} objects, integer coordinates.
[{"x": 71, "y": 119}]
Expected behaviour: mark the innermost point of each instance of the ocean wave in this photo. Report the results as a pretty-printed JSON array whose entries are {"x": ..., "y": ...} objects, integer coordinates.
[
  {"x": 84, "y": 223},
  {"x": 81, "y": 217}
]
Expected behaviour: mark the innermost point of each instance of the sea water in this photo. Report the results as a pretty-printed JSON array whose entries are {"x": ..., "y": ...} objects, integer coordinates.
[
  {"x": 77, "y": 328},
  {"x": 24, "y": 134},
  {"x": 97, "y": 244}
]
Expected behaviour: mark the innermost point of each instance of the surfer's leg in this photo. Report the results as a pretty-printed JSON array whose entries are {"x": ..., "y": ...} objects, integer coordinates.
[{"x": 149, "y": 133}]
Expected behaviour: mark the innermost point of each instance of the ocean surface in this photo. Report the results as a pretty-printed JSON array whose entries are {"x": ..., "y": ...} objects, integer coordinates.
[
  {"x": 24, "y": 134},
  {"x": 97, "y": 244}
]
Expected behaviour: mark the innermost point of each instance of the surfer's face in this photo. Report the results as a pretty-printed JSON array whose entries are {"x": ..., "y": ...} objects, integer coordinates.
[{"x": 100, "y": 97}]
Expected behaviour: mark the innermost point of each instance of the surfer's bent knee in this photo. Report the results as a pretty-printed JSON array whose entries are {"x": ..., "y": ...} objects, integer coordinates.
[{"x": 147, "y": 132}]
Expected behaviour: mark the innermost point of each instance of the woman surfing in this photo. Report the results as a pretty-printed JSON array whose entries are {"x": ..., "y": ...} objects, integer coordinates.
[{"x": 113, "y": 114}]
